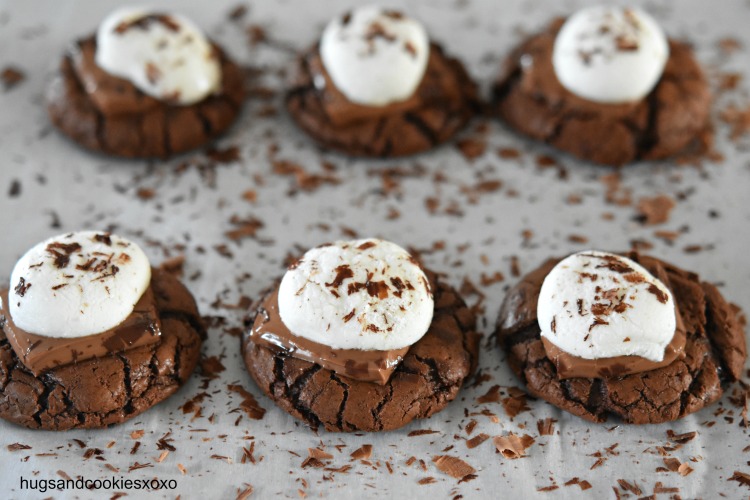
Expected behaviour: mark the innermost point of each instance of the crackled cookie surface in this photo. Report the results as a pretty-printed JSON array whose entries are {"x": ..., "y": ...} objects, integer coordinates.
[
  {"x": 376, "y": 86},
  {"x": 148, "y": 84},
  {"x": 91, "y": 335},
  {"x": 713, "y": 355},
  {"x": 400, "y": 361},
  {"x": 651, "y": 118}
]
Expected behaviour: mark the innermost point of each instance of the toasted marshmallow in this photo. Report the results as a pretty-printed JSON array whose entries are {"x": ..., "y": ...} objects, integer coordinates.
[
  {"x": 610, "y": 54},
  {"x": 598, "y": 305},
  {"x": 363, "y": 294},
  {"x": 77, "y": 284},
  {"x": 375, "y": 56},
  {"x": 164, "y": 55}
]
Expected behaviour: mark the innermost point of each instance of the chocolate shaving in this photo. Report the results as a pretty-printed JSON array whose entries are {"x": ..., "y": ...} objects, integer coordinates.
[
  {"x": 626, "y": 44},
  {"x": 61, "y": 259},
  {"x": 137, "y": 466},
  {"x": 681, "y": 438},
  {"x": 613, "y": 264},
  {"x": 655, "y": 210},
  {"x": 363, "y": 453},
  {"x": 512, "y": 446},
  {"x": 393, "y": 14},
  {"x": 11, "y": 77},
  {"x": 229, "y": 154},
  {"x": 312, "y": 462},
  {"x": 153, "y": 74},
  {"x": 349, "y": 316},
  {"x": 546, "y": 427},
  {"x": 22, "y": 287},
  {"x": 631, "y": 487},
  {"x": 18, "y": 446},
  {"x": 144, "y": 22},
  {"x": 740, "y": 477},
  {"x": 421, "y": 432},
  {"x": 454, "y": 467},
  {"x": 211, "y": 367},
  {"x": 377, "y": 289},
  {"x": 410, "y": 49},
  {"x": 244, "y": 494},
  {"x": 515, "y": 403},
  {"x": 398, "y": 284},
  {"x": 661, "y": 296},
  {"x": 249, "y": 404},
  {"x": 164, "y": 442},
  {"x": 342, "y": 272},
  {"x": 377, "y": 30},
  {"x": 245, "y": 228},
  {"x": 238, "y": 12},
  {"x": 477, "y": 440},
  {"x": 491, "y": 396},
  {"x": 598, "y": 322}
]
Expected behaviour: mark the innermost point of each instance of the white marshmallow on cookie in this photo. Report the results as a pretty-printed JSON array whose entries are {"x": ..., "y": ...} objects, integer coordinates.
[
  {"x": 375, "y": 56},
  {"x": 597, "y": 305},
  {"x": 166, "y": 56},
  {"x": 77, "y": 284},
  {"x": 610, "y": 54},
  {"x": 365, "y": 294}
]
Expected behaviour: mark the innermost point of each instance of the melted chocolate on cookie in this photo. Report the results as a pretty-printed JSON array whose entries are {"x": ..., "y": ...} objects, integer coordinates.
[
  {"x": 270, "y": 332},
  {"x": 39, "y": 353}
]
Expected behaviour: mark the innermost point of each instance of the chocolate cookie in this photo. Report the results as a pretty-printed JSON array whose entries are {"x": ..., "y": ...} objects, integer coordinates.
[
  {"x": 530, "y": 99},
  {"x": 108, "y": 390},
  {"x": 715, "y": 354},
  {"x": 447, "y": 99},
  {"x": 129, "y": 123},
  {"x": 427, "y": 379}
]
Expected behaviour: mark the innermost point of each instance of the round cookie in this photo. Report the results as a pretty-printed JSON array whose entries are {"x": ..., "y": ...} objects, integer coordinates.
[
  {"x": 104, "y": 391},
  {"x": 715, "y": 354},
  {"x": 144, "y": 127},
  {"x": 673, "y": 116},
  {"x": 447, "y": 99},
  {"x": 427, "y": 379}
]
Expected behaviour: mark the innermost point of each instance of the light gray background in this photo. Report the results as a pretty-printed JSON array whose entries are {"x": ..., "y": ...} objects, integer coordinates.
[{"x": 89, "y": 191}]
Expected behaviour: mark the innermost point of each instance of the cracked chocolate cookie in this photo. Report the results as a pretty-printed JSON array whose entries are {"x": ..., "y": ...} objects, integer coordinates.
[
  {"x": 606, "y": 86},
  {"x": 375, "y": 86},
  {"x": 57, "y": 380},
  {"x": 148, "y": 85},
  {"x": 349, "y": 389},
  {"x": 706, "y": 352}
]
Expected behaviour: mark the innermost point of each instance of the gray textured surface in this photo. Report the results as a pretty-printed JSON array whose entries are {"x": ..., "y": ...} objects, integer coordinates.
[{"x": 191, "y": 211}]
